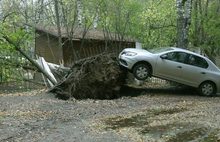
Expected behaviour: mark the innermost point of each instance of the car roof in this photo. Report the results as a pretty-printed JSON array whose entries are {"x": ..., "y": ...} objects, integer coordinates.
[
  {"x": 193, "y": 53},
  {"x": 187, "y": 51}
]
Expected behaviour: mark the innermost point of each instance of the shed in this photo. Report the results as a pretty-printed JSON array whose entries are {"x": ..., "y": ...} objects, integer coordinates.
[{"x": 77, "y": 44}]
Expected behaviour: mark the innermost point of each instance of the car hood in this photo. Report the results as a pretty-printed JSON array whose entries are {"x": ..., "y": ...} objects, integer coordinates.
[{"x": 138, "y": 51}]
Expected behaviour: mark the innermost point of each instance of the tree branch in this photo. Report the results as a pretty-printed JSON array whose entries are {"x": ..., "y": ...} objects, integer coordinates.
[{"x": 29, "y": 59}]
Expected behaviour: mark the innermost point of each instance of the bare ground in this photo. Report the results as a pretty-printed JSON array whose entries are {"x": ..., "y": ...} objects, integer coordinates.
[{"x": 140, "y": 115}]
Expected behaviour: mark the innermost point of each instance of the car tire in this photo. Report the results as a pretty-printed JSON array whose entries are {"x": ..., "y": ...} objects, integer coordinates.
[
  {"x": 207, "y": 89},
  {"x": 141, "y": 71}
]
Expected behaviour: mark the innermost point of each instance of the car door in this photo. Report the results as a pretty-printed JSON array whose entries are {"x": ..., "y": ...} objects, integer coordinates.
[
  {"x": 169, "y": 66},
  {"x": 194, "y": 71}
]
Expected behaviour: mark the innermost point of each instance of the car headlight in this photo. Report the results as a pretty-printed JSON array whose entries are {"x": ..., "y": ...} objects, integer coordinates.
[{"x": 130, "y": 53}]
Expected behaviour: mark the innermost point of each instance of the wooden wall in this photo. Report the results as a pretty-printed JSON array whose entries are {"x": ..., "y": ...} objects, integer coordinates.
[
  {"x": 47, "y": 47},
  {"x": 82, "y": 49}
]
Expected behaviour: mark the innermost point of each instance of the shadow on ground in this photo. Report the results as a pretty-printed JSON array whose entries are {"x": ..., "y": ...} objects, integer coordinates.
[
  {"x": 131, "y": 91},
  {"x": 176, "y": 90}
]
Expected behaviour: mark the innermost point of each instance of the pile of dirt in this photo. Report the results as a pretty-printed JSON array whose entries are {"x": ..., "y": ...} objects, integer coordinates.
[{"x": 98, "y": 77}]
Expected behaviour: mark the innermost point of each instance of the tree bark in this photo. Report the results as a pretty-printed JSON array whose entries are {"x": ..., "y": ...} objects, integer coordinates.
[
  {"x": 196, "y": 25},
  {"x": 184, "y": 8},
  {"x": 79, "y": 12},
  {"x": 56, "y": 6}
]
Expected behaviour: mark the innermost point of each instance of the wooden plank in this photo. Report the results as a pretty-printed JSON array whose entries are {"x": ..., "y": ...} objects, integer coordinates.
[
  {"x": 84, "y": 52},
  {"x": 100, "y": 49},
  {"x": 90, "y": 52},
  {"x": 97, "y": 50}
]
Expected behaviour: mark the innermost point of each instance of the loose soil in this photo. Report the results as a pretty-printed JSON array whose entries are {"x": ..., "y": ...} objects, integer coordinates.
[{"x": 164, "y": 115}]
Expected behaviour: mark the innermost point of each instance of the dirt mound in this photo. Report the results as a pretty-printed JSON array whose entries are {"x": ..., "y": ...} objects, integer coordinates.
[{"x": 98, "y": 77}]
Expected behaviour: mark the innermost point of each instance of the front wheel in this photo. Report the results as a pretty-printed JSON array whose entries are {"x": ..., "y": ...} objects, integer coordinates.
[
  {"x": 207, "y": 89},
  {"x": 141, "y": 71}
]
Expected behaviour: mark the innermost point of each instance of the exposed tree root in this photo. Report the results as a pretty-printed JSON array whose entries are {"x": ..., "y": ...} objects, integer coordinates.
[{"x": 98, "y": 77}]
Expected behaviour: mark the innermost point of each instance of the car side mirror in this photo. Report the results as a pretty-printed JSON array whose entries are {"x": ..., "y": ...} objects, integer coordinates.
[{"x": 163, "y": 56}]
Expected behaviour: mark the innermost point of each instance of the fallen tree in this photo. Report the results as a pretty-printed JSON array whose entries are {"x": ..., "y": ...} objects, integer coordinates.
[
  {"x": 98, "y": 77},
  {"x": 32, "y": 61}
]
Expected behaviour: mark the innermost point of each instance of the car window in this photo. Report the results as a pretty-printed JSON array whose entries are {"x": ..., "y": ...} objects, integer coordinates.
[
  {"x": 197, "y": 61},
  {"x": 159, "y": 50},
  {"x": 177, "y": 56}
]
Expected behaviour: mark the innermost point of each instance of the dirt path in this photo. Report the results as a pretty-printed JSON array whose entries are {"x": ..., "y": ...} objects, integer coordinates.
[{"x": 152, "y": 116}]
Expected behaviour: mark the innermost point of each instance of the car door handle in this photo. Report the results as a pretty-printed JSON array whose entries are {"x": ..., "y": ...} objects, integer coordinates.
[
  {"x": 179, "y": 67},
  {"x": 203, "y": 73}
]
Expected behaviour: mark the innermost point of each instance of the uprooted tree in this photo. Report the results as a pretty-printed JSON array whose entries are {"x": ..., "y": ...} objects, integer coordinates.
[{"x": 97, "y": 77}]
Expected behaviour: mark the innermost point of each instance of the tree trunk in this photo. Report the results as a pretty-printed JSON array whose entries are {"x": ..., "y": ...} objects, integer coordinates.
[
  {"x": 79, "y": 12},
  {"x": 196, "y": 27},
  {"x": 56, "y": 6},
  {"x": 184, "y": 8},
  {"x": 201, "y": 24},
  {"x": 34, "y": 63}
]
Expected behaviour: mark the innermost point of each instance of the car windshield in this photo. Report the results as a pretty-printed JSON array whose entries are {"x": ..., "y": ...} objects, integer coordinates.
[{"x": 160, "y": 50}]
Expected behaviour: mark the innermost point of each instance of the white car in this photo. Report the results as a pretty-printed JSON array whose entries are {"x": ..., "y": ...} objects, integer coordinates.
[{"x": 174, "y": 64}]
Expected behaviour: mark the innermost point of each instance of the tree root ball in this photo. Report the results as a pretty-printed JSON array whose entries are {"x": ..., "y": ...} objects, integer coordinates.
[{"x": 98, "y": 77}]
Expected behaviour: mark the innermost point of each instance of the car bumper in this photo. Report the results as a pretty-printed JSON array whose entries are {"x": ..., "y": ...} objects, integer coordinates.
[{"x": 126, "y": 62}]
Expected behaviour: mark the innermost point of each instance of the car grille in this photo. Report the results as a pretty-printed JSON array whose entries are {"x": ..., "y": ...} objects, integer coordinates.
[{"x": 123, "y": 62}]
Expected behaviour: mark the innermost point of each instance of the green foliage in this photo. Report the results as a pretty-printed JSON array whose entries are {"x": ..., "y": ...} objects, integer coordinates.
[
  {"x": 207, "y": 36},
  {"x": 158, "y": 24},
  {"x": 212, "y": 26},
  {"x": 18, "y": 34},
  {"x": 10, "y": 26},
  {"x": 151, "y": 22}
]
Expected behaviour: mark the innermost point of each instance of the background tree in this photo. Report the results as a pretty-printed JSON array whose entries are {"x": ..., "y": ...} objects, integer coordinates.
[
  {"x": 157, "y": 24},
  {"x": 184, "y": 8},
  {"x": 153, "y": 23},
  {"x": 205, "y": 27}
]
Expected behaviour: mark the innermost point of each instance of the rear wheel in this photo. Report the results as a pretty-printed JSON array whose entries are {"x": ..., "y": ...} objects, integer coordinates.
[
  {"x": 207, "y": 88},
  {"x": 141, "y": 71}
]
